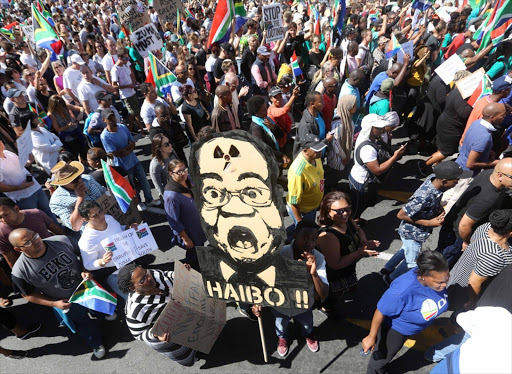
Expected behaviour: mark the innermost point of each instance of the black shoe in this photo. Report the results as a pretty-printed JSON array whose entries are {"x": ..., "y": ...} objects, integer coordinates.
[
  {"x": 387, "y": 280},
  {"x": 30, "y": 330},
  {"x": 17, "y": 355}
]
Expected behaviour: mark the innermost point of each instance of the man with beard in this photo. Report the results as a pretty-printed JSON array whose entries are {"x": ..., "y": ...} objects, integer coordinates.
[{"x": 239, "y": 201}]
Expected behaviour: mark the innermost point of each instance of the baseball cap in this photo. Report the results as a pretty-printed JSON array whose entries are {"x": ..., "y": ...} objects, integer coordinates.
[
  {"x": 451, "y": 170},
  {"x": 502, "y": 83},
  {"x": 174, "y": 38},
  {"x": 13, "y": 92},
  {"x": 106, "y": 113},
  {"x": 274, "y": 91},
  {"x": 312, "y": 142},
  {"x": 262, "y": 50},
  {"x": 387, "y": 85},
  {"x": 76, "y": 58},
  {"x": 103, "y": 95},
  {"x": 228, "y": 48}
]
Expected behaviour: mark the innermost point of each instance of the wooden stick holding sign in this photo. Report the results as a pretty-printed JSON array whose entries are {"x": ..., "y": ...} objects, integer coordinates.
[{"x": 262, "y": 336}]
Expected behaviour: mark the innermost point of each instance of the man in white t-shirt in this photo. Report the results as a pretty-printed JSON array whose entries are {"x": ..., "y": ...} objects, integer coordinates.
[
  {"x": 147, "y": 111},
  {"x": 72, "y": 77},
  {"x": 88, "y": 87},
  {"x": 27, "y": 58},
  {"x": 110, "y": 58},
  {"x": 182, "y": 79}
]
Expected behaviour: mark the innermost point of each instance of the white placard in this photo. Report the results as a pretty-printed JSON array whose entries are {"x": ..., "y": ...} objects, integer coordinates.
[
  {"x": 146, "y": 39},
  {"x": 404, "y": 49},
  {"x": 28, "y": 30},
  {"x": 469, "y": 84},
  {"x": 130, "y": 244},
  {"x": 447, "y": 69},
  {"x": 273, "y": 21},
  {"x": 25, "y": 146}
]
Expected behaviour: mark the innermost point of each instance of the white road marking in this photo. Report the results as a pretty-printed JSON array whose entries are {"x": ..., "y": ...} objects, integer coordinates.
[{"x": 385, "y": 256}]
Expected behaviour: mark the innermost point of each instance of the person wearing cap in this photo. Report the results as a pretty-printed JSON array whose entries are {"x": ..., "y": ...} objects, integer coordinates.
[
  {"x": 118, "y": 141},
  {"x": 501, "y": 89},
  {"x": 72, "y": 77},
  {"x": 73, "y": 187},
  {"x": 306, "y": 180},
  {"x": 380, "y": 103},
  {"x": 88, "y": 87},
  {"x": 263, "y": 76},
  {"x": 420, "y": 215},
  {"x": 96, "y": 124},
  {"x": 226, "y": 52},
  {"x": 21, "y": 107},
  {"x": 280, "y": 112}
]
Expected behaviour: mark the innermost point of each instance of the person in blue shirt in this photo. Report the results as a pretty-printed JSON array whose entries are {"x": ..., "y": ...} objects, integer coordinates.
[
  {"x": 410, "y": 305},
  {"x": 118, "y": 141}
]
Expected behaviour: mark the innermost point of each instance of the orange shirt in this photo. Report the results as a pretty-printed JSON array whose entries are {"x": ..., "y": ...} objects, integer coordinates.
[
  {"x": 282, "y": 119},
  {"x": 476, "y": 113}
]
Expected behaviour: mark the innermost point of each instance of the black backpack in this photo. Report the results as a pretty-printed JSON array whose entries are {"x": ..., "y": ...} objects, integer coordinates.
[{"x": 382, "y": 156}]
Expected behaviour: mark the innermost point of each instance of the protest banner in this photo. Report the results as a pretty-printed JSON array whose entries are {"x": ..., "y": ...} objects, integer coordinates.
[
  {"x": 404, "y": 49},
  {"x": 130, "y": 244},
  {"x": 191, "y": 318},
  {"x": 132, "y": 13},
  {"x": 167, "y": 10},
  {"x": 447, "y": 69},
  {"x": 109, "y": 205},
  {"x": 28, "y": 31},
  {"x": 273, "y": 21},
  {"x": 469, "y": 84},
  {"x": 25, "y": 146},
  {"x": 146, "y": 39}
]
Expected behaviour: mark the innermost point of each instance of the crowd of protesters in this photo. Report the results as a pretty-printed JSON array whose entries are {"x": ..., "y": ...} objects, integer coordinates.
[{"x": 331, "y": 131}]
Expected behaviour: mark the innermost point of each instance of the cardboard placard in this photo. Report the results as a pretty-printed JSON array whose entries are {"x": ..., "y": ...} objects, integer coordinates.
[
  {"x": 146, "y": 39},
  {"x": 25, "y": 146},
  {"x": 167, "y": 10},
  {"x": 273, "y": 21},
  {"x": 109, "y": 205},
  {"x": 469, "y": 84},
  {"x": 191, "y": 318},
  {"x": 404, "y": 49},
  {"x": 132, "y": 13},
  {"x": 130, "y": 244},
  {"x": 28, "y": 31},
  {"x": 447, "y": 69}
]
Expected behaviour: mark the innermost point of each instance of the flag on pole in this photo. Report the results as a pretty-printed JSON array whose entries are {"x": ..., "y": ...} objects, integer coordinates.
[
  {"x": 318, "y": 29},
  {"x": 161, "y": 77},
  {"x": 39, "y": 112},
  {"x": 120, "y": 187},
  {"x": 8, "y": 30},
  {"x": 422, "y": 4},
  {"x": 92, "y": 296},
  {"x": 393, "y": 47},
  {"x": 341, "y": 17},
  {"x": 297, "y": 71},
  {"x": 495, "y": 25},
  {"x": 483, "y": 89},
  {"x": 47, "y": 15},
  {"x": 44, "y": 36},
  {"x": 240, "y": 14},
  {"x": 224, "y": 14}
]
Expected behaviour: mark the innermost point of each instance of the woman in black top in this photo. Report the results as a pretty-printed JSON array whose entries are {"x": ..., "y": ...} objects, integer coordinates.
[
  {"x": 195, "y": 114},
  {"x": 316, "y": 56},
  {"x": 343, "y": 243}
]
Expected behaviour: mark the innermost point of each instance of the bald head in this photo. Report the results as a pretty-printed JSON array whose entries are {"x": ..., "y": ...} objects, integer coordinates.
[
  {"x": 330, "y": 82},
  {"x": 17, "y": 237},
  {"x": 356, "y": 77},
  {"x": 494, "y": 113},
  {"x": 504, "y": 166},
  {"x": 394, "y": 70},
  {"x": 231, "y": 78}
]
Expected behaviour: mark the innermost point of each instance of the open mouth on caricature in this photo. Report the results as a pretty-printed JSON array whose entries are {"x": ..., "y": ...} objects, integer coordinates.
[{"x": 241, "y": 239}]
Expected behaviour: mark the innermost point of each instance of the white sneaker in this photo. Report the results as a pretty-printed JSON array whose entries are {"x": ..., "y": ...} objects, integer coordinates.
[
  {"x": 141, "y": 207},
  {"x": 112, "y": 317},
  {"x": 99, "y": 352},
  {"x": 155, "y": 202}
]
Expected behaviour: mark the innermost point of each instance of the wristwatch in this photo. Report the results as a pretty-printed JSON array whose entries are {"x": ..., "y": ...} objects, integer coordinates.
[{"x": 102, "y": 263}]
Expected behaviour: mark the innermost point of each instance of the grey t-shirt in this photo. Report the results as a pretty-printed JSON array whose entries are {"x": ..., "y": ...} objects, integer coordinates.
[{"x": 56, "y": 274}]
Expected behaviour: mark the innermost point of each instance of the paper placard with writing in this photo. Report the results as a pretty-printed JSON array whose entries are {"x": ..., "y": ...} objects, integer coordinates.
[
  {"x": 273, "y": 21},
  {"x": 28, "y": 31},
  {"x": 146, "y": 39},
  {"x": 167, "y": 10},
  {"x": 469, "y": 84},
  {"x": 404, "y": 49},
  {"x": 191, "y": 318},
  {"x": 25, "y": 146},
  {"x": 447, "y": 69},
  {"x": 109, "y": 205},
  {"x": 132, "y": 13}
]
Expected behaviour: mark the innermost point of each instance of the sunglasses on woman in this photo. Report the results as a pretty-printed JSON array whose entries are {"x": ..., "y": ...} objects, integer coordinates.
[{"x": 342, "y": 210}]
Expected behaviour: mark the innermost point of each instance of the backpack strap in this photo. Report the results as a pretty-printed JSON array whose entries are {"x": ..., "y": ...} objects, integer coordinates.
[{"x": 357, "y": 156}]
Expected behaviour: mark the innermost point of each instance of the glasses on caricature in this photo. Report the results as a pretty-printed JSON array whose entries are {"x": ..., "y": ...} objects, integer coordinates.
[{"x": 253, "y": 196}]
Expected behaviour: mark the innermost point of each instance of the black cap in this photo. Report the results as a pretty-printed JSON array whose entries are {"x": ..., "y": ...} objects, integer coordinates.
[
  {"x": 274, "y": 91},
  {"x": 103, "y": 95},
  {"x": 105, "y": 113},
  {"x": 451, "y": 170},
  {"x": 313, "y": 142},
  {"x": 228, "y": 48}
]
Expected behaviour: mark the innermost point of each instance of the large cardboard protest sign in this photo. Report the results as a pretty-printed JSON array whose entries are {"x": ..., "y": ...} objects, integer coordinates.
[
  {"x": 167, "y": 10},
  {"x": 191, "y": 318},
  {"x": 240, "y": 205},
  {"x": 25, "y": 146},
  {"x": 132, "y": 13},
  {"x": 109, "y": 205},
  {"x": 146, "y": 39},
  {"x": 129, "y": 245},
  {"x": 273, "y": 21},
  {"x": 469, "y": 84},
  {"x": 447, "y": 69}
]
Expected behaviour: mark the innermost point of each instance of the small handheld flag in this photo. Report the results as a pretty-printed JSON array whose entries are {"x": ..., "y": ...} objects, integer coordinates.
[
  {"x": 483, "y": 89},
  {"x": 297, "y": 71},
  {"x": 92, "y": 296},
  {"x": 161, "y": 77},
  {"x": 120, "y": 187},
  {"x": 393, "y": 47}
]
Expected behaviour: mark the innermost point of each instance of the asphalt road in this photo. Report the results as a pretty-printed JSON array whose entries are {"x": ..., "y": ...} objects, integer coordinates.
[{"x": 238, "y": 349}]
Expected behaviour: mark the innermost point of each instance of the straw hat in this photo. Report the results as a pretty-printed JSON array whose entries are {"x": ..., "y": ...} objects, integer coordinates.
[{"x": 64, "y": 173}]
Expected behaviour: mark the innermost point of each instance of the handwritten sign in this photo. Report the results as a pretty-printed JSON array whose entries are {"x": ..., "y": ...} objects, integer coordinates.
[
  {"x": 146, "y": 39},
  {"x": 404, "y": 49},
  {"x": 273, "y": 21},
  {"x": 109, "y": 205},
  {"x": 469, "y": 84},
  {"x": 191, "y": 318},
  {"x": 130, "y": 245},
  {"x": 167, "y": 10},
  {"x": 132, "y": 13},
  {"x": 28, "y": 31},
  {"x": 25, "y": 146},
  {"x": 447, "y": 69}
]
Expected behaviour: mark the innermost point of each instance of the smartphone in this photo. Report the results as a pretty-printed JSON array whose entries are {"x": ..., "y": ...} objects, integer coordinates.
[
  {"x": 29, "y": 178},
  {"x": 361, "y": 352}
]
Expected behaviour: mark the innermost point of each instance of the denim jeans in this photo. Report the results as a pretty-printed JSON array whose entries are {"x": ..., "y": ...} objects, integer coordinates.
[
  {"x": 358, "y": 196},
  {"x": 290, "y": 230},
  {"x": 138, "y": 172},
  {"x": 85, "y": 327},
  {"x": 439, "y": 351},
  {"x": 37, "y": 200},
  {"x": 395, "y": 260},
  {"x": 305, "y": 320},
  {"x": 112, "y": 282},
  {"x": 411, "y": 250}
]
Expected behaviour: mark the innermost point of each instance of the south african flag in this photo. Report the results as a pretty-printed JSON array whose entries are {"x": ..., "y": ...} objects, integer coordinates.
[{"x": 92, "y": 296}]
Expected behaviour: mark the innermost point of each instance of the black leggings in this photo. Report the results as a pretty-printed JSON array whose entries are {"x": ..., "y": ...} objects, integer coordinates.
[
  {"x": 389, "y": 342},
  {"x": 7, "y": 319}
]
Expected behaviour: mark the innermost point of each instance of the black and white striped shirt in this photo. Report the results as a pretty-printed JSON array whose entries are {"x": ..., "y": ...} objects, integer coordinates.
[
  {"x": 142, "y": 311},
  {"x": 483, "y": 256}
]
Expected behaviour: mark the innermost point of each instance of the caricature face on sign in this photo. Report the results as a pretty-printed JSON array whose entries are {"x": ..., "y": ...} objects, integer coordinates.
[{"x": 236, "y": 199}]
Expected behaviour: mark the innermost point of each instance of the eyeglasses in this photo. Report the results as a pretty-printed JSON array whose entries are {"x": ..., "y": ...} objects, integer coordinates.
[
  {"x": 342, "y": 210},
  {"x": 181, "y": 172},
  {"x": 253, "y": 196},
  {"x": 144, "y": 278},
  {"x": 507, "y": 175},
  {"x": 29, "y": 243}
]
